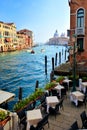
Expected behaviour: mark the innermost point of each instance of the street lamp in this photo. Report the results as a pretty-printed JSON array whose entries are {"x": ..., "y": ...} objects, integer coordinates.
[{"x": 74, "y": 63}]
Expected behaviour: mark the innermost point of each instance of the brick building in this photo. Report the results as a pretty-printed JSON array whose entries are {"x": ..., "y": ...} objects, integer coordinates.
[
  {"x": 29, "y": 34},
  {"x": 78, "y": 28}
]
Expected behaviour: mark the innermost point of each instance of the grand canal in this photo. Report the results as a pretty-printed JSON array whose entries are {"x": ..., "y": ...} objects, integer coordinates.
[{"x": 22, "y": 69}]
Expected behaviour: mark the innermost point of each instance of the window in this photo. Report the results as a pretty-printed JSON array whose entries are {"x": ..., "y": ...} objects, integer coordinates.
[
  {"x": 80, "y": 18},
  {"x": 80, "y": 44}
]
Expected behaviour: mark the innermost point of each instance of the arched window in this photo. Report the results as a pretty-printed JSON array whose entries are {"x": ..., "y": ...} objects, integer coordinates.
[{"x": 80, "y": 18}]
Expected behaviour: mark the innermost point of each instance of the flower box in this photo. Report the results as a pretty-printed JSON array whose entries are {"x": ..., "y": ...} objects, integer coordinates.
[{"x": 4, "y": 117}]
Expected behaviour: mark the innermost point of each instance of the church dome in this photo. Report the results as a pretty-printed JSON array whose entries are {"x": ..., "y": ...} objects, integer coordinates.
[{"x": 56, "y": 34}]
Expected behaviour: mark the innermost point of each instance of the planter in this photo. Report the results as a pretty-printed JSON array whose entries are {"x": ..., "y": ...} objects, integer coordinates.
[
  {"x": 23, "y": 104},
  {"x": 50, "y": 86},
  {"x": 60, "y": 79},
  {"x": 3, "y": 122}
]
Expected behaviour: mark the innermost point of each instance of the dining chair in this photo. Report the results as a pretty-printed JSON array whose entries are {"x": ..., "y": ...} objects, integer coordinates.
[
  {"x": 55, "y": 93},
  {"x": 65, "y": 85},
  {"x": 55, "y": 110},
  {"x": 40, "y": 125},
  {"x": 63, "y": 93},
  {"x": 45, "y": 119},
  {"x": 22, "y": 118},
  {"x": 43, "y": 101},
  {"x": 32, "y": 127},
  {"x": 74, "y": 126},
  {"x": 84, "y": 119},
  {"x": 61, "y": 103}
]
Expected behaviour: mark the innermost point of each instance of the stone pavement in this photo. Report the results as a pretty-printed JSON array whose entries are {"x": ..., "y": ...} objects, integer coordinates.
[{"x": 66, "y": 117}]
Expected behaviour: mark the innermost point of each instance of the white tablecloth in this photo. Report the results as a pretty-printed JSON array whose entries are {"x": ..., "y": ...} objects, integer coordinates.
[
  {"x": 76, "y": 96},
  {"x": 83, "y": 86},
  {"x": 58, "y": 88},
  {"x": 33, "y": 117},
  {"x": 51, "y": 101}
]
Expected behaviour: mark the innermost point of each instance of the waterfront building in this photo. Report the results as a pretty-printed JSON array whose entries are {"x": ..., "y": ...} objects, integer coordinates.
[
  {"x": 58, "y": 40},
  {"x": 7, "y": 36},
  {"x": 78, "y": 28},
  {"x": 11, "y": 40},
  {"x": 28, "y": 33},
  {"x": 23, "y": 41}
]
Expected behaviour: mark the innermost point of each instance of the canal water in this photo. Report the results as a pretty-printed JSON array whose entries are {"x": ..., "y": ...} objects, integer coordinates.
[{"x": 22, "y": 69}]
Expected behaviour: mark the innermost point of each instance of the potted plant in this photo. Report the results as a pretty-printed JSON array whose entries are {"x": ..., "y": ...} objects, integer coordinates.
[
  {"x": 4, "y": 117},
  {"x": 84, "y": 79},
  {"x": 50, "y": 85},
  {"x": 27, "y": 101},
  {"x": 60, "y": 79}
]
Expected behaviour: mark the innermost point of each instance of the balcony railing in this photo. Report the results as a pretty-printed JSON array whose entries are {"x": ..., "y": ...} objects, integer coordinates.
[{"x": 80, "y": 31}]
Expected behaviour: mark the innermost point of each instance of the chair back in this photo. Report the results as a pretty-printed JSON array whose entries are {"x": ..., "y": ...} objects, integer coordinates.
[
  {"x": 61, "y": 103},
  {"x": 40, "y": 125},
  {"x": 83, "y": 116},
  {"x": 45, "y": 120},
  {"x": 32, "y": 127},
  {"x": 63, "y": 91},
  {"x": 21, "y": 114},
  {"x": 74, "y": 126},
  {"x": 57, "y": 107}
]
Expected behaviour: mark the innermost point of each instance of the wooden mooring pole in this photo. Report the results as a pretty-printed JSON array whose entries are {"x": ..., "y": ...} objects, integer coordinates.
[
  {"x": 59, "y": 57},
  {"x": 52, "y": 64},
  {"x": 37, "y": 85},
  {"x": 20, "y": 94},
  {"x": 46, "y": 65},
  {"x": 56, "y": 60}
]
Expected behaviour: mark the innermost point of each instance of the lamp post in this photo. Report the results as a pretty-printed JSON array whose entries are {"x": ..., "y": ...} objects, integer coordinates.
[{"x": 74, "y": 63}]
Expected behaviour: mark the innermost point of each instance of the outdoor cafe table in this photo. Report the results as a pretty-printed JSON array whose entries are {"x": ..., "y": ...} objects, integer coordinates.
[
  {"x": 33, "y": 117},
  {"x": 58, "y": 88},
  {"x": 76, "y": 96},
  {"x": 51, "y": 101},
  {"x": 67, "y": 81},
  {"x": 84, "y": 86},
  {"x": 6, "y": 96}
]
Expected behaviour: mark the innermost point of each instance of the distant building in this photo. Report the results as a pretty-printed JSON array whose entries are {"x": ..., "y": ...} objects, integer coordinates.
[
  {"x": 56, "y": 40},
  {"x": 78, "y": 28},
  {"x": 29, "y": 34},
  {"x": 7, "y": 36},
  {"x": 11, "y": 40}
]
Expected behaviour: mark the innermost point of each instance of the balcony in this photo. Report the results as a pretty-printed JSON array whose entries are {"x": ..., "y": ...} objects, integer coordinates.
[{"x": 80, "y": 31}]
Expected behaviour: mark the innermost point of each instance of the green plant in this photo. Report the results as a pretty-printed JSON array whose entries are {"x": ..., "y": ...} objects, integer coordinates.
[
  {"x": 3, "y": 115},
  {"x": 23, "y": 103},
  {"x": 60, "y": 78},
  {"x": 71, "y": 77},
  {"x": 84, "y": 78},
  {"x": 50, "y": 85}
]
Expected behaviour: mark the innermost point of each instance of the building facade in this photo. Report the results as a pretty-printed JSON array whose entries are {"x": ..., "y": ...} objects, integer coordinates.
[
  {"x": 78, "y": 28},
  {"x": 29, "y": 34},
  {"x": 11, "y": 40},
  {"x": 7, "y": 36}
]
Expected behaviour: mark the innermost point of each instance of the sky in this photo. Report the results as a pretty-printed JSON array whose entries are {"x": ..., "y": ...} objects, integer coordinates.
[{"x": 42, "y": 17}]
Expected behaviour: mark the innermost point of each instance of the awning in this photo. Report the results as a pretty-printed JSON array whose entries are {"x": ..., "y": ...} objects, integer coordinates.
[
  {"x": 8, "y": 39},
  {"x": 6, "y": 96}
]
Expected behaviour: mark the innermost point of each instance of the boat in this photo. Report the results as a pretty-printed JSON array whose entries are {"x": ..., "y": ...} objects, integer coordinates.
[
  {"x": 31, "y": 51},
  {"x": 42, "y": 50}
]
